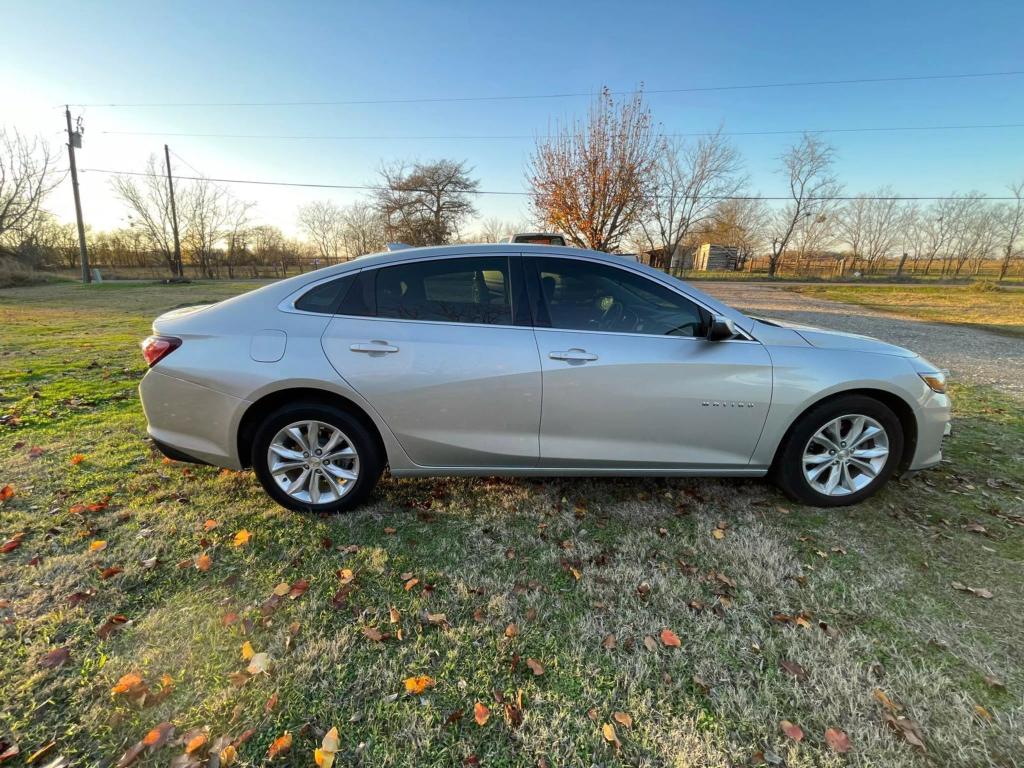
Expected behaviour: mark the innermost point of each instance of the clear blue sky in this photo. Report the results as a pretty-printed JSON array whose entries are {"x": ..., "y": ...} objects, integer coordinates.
[{"x": 104, "y": 52}]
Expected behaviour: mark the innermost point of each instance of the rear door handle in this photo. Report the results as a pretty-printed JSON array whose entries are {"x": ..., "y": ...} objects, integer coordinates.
[
  {"x": 574, "y": 355},
  {"x": 374, "y": 347}
]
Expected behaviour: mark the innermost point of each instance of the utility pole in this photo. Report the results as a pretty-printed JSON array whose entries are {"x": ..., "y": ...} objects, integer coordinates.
[
  {"x": 75, "y": 140},
  {"x": 174, "y": 214}
]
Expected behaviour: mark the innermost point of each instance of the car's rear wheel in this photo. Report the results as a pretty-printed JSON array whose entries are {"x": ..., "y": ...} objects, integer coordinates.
[
  {"x": 840, "y": 452},
  {"x": 316, "y": 458}
]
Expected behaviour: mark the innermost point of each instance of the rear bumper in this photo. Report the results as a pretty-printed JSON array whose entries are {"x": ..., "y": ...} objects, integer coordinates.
[
  {"x": 933, "y": 426},
  {"x": 190, "y": 422}
]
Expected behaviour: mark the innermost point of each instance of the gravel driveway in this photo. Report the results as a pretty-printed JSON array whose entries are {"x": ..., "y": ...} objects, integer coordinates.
[{"x": 971, "y": 355}]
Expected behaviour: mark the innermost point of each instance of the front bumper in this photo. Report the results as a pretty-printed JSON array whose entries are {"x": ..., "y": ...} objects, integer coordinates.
[
  {"x": 934, "y": 425},
  {"x": 192, "y": 420}
]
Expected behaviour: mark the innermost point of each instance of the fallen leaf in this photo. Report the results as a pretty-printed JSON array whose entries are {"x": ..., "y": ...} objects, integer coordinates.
[
  {"x": 77, "y": 459},
  {"x": 228, "y": 755},
  {"x": 394, "y": 615},
  {"x": 535, "y": 667},
  {"x": 669, "y": 638},
  {"x": 793, "y": 669},
  {"x": 203, "y": 562},
  {"x": 390, "y": 531},
  {"x": 247, "y": 651},
  {"x": 650, "y": 643},
  {"x": 298, "y": 589},
  {"x": 481, "y": 713},
  {"x": 210, "y": 524},
  {"x": 346, "y": 575},
  {"x": 792, "y": 730},
  {"x": 260, "y": 664},
  {"x": 994, "y": 682},
  {"x": 411, "y": 583},
  {"x": 373, "y": 634},
  {"x": 623, "y": 718},
  {"x": 417, "y": 685},
  {"x": 12, "y": 543},
  {"x": 127, "y": 683},
  {"x": 608, "y": 730},
  {"x": 241, "y": 539},
  {"x": 324, "y": 756},
  {"x": 885, "y": 701},
  {"x": 196, "y": 742},
  {"x": 511, "y": 630},
  {"x": 97, "y": 546},
  {"x": 8, "y": 750},
  {"x": 907, "y": 728},
  {"x": 7, "y": 492},
  {"x": 55, "y": 658},
  {"x": 111, "y": 625},
  {"x": 718, "y": 533},
  {"x": 282, "y": 589},
  {"x": 983, "y": 713},
  {"x": 280, "y": 745},
  {"x": 837, "y": 740},
  {"x": 609, "y": 642}
]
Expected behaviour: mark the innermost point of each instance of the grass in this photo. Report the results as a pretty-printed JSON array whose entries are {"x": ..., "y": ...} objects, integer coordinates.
[
  {"x": 982, "y": 305},
  {"x": 568, "y": 562}
]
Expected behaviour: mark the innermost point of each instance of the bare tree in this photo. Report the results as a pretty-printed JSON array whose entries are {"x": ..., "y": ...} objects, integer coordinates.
[
  {"x": 323, "y": 223},
  {"x": 740, "y": 223},
  {"x": 27, "y": 176},
  {"x": 592, "y": 180},
  {"x": 807, "y": 167},
  {"x": 689, "y": 181},
  {"x": 1011, "y": 224},
  {"x": 362, "y": 230},
  {"x": 205, "y": 212},
  {"x": 494, "y": 230},
  {"x": 871, "y": 226},
  {"x": 425, "y": 203},
  {"x": 150, "y": 206}
]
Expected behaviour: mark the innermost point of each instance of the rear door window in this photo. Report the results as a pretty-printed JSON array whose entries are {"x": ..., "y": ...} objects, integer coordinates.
[{"x": 460, "y": 290}]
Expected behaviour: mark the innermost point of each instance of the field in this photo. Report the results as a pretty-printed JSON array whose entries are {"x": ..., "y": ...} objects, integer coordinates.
[
  {"x": 983, "y": 305},
  {"x": 482, "y": 622}
]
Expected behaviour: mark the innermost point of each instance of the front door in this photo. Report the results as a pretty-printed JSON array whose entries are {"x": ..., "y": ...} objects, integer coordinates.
[
  {"x": 630, "y": 380},
  {"x": 433, "y": 346}
]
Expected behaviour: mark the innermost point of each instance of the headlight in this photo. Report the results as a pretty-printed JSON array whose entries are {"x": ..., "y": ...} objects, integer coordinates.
[{"x": 936, "y": 380}]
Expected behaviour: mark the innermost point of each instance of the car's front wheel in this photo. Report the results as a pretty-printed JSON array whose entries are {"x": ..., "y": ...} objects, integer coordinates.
[
  {"x": 316, "y": 458},
  {"x": 840, "y": 452}
]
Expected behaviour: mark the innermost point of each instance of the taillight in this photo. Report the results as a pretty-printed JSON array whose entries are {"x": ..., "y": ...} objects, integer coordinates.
[{"x": 156, "y": 348}]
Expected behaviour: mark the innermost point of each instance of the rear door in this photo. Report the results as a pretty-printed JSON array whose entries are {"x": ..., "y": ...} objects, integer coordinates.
[
  {"x": 441, "y": 349},
  {"x": 630, "y": 380}
]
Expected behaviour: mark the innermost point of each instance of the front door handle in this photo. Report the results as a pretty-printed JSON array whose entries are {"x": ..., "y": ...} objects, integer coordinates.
[
  {"x": 574, "y": 355},
  {"x": 374, "y": 347}
]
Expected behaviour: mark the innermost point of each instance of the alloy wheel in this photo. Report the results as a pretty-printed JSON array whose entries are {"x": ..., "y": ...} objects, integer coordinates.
[
  {"x": 313, "y": 462},
  {"x": 845, "y": 455}
]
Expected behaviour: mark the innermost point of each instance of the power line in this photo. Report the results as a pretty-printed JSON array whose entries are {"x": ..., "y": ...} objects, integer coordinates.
[
  {"x": 379, "y": 137},
  {"x": 565, "y": 95},
  {"x": 372, "y": 187}
]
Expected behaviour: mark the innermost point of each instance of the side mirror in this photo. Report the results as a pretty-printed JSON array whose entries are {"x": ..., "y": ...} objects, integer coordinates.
[{"x": 722, "y": 328}]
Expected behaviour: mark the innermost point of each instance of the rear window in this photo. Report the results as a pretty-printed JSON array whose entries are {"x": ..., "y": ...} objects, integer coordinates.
[{"x": 325, "y": 298}]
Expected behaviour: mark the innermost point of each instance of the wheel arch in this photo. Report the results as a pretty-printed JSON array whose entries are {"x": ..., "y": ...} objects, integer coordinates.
[
  {"x": 900, "y": 407},
  {"x": 261, "y": 408}
]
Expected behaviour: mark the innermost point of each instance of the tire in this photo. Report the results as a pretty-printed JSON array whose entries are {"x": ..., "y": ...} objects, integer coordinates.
[
  {"x": 859, "y": 457},
  {"x": 356, "y": 453}
]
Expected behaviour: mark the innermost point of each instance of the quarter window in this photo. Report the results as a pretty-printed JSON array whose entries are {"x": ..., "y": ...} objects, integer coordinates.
[
  {"x": 587, "y": 296},
  {"x": 465, "y": 290},
  {"x": 325, "y": 298}
]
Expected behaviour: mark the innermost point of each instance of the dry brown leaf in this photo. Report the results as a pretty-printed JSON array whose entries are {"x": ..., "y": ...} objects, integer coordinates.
[
  {"x": 7, "y": 492},
  {"x": 55, "y": 658},
  {"x": 298, "y": 589},
  {"x": 983, "y": 713},
  {"x": 195, "y": 743},
  {"x": 77, "y": 459},
  {"x": 203, "y": 562},
  {"x": 282, "y": 589},
  {"x": 608, "y": 730},
  {"x": 623, "y": 718},
  {"x": 481, "y": 713},
  {"x": 837, "y": 740},
  {"x": 210, "y": 524},
  {"x": 411, "y": 583},
  {"x": 372, "y": 633},
  {"x": 511, "y": 630},
  {"x": 793, "y": 669},
  {"x": 127, "y": 683},
  {"x": 670, "y": 639},
  {"x": 609, "y": 642},
  {"x": 247, "y": 651},
  {"x": 718, "y": 533},
  {"x": 535, "y": 666},
  {"x": 792, "y": 730}
]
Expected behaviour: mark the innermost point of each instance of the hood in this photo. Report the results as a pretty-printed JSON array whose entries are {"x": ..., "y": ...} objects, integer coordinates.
[{"x": 825, "y": 339}]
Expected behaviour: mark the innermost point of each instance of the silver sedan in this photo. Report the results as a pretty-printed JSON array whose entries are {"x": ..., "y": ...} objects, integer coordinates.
[{"x": 527, "y": 360}]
